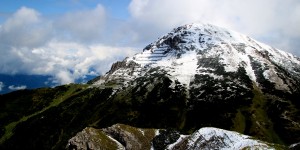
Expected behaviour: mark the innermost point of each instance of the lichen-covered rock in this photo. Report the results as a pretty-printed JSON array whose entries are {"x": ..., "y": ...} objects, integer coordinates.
[
  {"x": 132, "y": 138},
  {"x": 118, "y": 136},
  {"x": 93, "y": 139}
]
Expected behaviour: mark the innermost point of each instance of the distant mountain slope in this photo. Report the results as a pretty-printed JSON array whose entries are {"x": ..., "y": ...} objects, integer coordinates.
[
  {"x": 12, "y": 82},
  {"x": 196, "y": 76},
  {"x": 19, "y": 81}
]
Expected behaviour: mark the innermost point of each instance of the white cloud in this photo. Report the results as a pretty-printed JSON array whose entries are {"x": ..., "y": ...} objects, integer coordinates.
[
  {"x": 64, "y": 77},
  {"x": 68, "y": 61},
  {"x": 259, "y": 19},
  {"x": 25, "y": 28},
  {"x": 14, "y": 87},
  {"x": 23, "y": 16},
  {"x": 86, "y": 25},
  {"x": 1, "y": 86},
  {"x": 65, "y": 61},
  {"x": 67, "y": 47}
]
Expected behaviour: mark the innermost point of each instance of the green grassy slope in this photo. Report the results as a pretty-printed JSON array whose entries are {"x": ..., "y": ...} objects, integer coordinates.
[{"x": 48, "y": 118}]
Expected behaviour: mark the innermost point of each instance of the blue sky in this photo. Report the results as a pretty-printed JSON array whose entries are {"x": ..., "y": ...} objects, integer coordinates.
[
  {"x": 67, "y": 39},
  {"x": 116, "y": 8}
]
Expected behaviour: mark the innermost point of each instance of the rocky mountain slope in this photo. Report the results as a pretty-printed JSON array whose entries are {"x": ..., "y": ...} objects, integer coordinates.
[
  {"x": 219, "y": 72},
  {"x": 196, "y": 76},
  {"x": 121, "y": 136}
]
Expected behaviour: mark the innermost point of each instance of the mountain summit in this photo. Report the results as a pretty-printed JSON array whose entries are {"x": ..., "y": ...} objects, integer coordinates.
[
  {"x": 204, "y": 50},
  {"x": 189, "y": 85}
]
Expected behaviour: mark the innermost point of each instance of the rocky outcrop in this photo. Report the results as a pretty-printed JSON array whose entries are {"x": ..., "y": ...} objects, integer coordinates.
[
  {"x": 130, "y": 137},
  {"x": 115, "y": 76},
  {"x": 295, "y": 146},
  {"x": 118, "y": 136},
  {"x": 121, "y": 136},
  {"x": 90, "y": 138},
  {"x": 165, "y": 138},
  {"x": 121, "y": 64}
]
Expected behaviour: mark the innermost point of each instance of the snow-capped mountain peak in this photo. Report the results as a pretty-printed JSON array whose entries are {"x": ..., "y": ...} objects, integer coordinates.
[{"x": 205, "y": 49}]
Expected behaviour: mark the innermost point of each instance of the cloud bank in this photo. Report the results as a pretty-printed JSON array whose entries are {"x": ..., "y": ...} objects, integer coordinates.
[
  {"x": 85, "y": 42},
  {"x": 67, "y": 47}
]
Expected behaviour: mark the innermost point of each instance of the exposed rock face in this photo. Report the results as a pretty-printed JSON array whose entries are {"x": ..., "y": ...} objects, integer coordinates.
[
  {"x": 295, "y": 146},
  {"x": 118, "y": 136},
  {"x": 114, "y": 80},
  {"x": 122, "y": 64},
  {"x": 126, "y": 137},
  {"x": 91, "y": 138},
  {"x": 130, "y": 137},
  {"x": 165, "y": 138}
]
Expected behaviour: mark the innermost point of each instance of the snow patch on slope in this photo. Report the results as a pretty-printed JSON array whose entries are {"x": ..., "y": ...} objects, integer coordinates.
[
  {"x": 182, "y": 69},
  {"x": 214, "y": 138},
  {"x": 180, "y": 139}
]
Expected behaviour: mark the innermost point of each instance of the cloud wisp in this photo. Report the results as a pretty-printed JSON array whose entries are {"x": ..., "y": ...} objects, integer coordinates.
[{"x": 14, "y": 87}]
